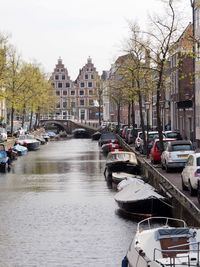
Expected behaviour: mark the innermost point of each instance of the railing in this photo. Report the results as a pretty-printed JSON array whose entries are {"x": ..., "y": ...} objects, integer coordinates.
[
  {"x": 187, "y": 257},
  {"x": 166, "y": 221}
]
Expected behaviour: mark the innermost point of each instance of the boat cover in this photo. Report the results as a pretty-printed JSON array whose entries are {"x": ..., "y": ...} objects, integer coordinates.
[
  {"x": 127, "y": 181},
  {"x": 122, "y": 156},
  {"x": 173, "y": 233},
  {"x": 137, "y": 191},
  {"x": 124, "y": 175}
]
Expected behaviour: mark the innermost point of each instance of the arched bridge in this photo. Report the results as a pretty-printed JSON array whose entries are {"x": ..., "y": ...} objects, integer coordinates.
[{"x": 69, "y": 125}]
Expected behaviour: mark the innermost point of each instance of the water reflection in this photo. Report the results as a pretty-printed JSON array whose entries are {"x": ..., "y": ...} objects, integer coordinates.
[{"x": 56, "y": 210}]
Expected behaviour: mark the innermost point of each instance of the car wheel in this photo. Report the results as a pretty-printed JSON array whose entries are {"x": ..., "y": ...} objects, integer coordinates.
[
  {"x": 198, "y": 195},
  {"x": 162, "y": 166},
  {"x": 184, "y": 187},
  {"x": 152, "y": 160},
  {"x": 167, "y": 168},
  {"x": 191, "y": 189}
]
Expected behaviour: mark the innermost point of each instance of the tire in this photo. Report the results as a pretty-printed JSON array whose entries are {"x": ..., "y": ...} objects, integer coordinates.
[
  {"x": 184, "y": 187},
  {"x": 167, "y": 168},
  {"x": 198, "y": 195},
  {"x": 193, "y": 192}
]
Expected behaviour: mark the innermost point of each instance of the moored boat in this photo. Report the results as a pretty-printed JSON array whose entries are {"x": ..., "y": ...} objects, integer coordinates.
[
  {"x": 163, "y": 241},
  {"x": 140, "y": 199},
  {"x": 96, "y": 135},
  {"x": 80, "y": 133},
  {"x": 121, "y": 161},
  {"x": 28, "y": 141},
  {"x": 117, "y": 177},
  {"x": 21, "y": 150},
  {"x": 4, "y": 159}
]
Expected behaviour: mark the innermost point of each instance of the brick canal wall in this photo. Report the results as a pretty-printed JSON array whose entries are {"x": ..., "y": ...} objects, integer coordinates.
[{"x": 182, "y": 206}]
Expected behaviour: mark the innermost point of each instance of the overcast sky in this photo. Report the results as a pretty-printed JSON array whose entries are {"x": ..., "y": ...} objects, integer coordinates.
[{"x": 44, "y": 30}]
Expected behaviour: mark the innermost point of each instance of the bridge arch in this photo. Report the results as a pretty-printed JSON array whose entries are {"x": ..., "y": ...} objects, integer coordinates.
[{"x": 68, "y": 125}]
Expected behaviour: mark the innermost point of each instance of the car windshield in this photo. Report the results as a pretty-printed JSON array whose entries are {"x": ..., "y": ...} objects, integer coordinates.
[
  {"x": 164, "y": 143},
  {"x": 152, "y": 136},
  {"x": 181, "y": 147},
  {"x": 173, "y": 135},
  {"x": 198, "y": 161}
]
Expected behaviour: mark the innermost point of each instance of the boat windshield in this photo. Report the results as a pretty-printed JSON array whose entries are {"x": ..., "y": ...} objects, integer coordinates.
[{"x": 121, "y": 156}]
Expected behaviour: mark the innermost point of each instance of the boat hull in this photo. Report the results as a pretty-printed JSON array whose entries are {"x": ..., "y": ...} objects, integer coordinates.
[
  {"x": 121, "y": 166},
  {"x": 145, "y": 208}
]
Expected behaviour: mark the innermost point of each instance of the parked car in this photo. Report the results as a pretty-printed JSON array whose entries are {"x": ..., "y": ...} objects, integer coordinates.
[
  {"x": 155, "y": 152},
  {"x": 3, "y": 134},
  {"x": 191, "y": 174},
  {"x": 133, "y": 135},
  {"x": 173, "y": 134},
  {"x": 138, "y": 140},
  {"x": 151, "y": 136},
  {"x": 15, "y": 132},
  {"x": 124, "y": 131},
  {"x": 176, "y": 154},
  {"x": 127, "y": 134}
]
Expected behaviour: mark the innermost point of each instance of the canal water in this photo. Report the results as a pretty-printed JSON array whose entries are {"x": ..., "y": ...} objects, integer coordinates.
[{"x": 57, "y": 210}]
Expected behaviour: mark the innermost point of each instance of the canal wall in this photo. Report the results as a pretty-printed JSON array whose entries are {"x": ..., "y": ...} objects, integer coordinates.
[{"x": 182, "y": 206}]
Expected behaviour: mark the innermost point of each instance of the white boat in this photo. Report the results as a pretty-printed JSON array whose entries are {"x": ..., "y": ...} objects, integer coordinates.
[
  {"x": 117, "y": 177},
  {"x": 28, "y": 141},
  {"x": 121, "y": 161},
  {"x": 128, "y": 180},
  {"x": 163, "y": 241},
  {"x": 141, "y": 200}
]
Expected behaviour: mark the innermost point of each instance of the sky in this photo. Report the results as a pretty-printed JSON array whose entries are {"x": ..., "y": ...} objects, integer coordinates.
[{"x": 44, "y": 30}]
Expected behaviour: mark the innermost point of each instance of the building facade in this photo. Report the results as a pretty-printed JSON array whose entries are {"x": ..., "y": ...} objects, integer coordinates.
[{"x": 76, "y": 99}]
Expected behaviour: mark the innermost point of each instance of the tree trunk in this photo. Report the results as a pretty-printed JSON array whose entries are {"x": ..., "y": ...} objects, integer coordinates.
[
  {"x": 31, "y": 119},
  {"x": 118, "y": 113},
  {"x": 159, "y": 122},
  {"x": 12, "y": 119},
  {"x": 133, "y": 113},
  {"x": 129, "y": 114},
  {"x": 142, "y": 119}
]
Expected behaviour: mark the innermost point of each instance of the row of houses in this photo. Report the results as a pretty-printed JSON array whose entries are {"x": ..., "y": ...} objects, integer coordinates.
[
  {"x": 80, "y": 99},
  {"x": 88, "y": 97}
]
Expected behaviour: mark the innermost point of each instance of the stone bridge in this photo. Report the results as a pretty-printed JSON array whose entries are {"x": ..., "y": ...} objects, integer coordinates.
[{"x": 69, "y": 125}]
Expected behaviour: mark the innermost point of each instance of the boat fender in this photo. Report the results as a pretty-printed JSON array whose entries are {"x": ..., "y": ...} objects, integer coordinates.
[
  {"x": 141, "y": 253},
  {"x": 125, "y": 262}
]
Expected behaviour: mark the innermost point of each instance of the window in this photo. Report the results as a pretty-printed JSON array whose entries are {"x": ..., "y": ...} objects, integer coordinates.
[
  {"x": 81, "y": 92},
  {"x": 57, "y": 92},
  {"x": 64, "y": 92},
  {"x": 59, "y": 85},
  {"x": 63, "y": 77},
  {"x": 92, "y": 76},
  {"x": 72, "y": 92},
  {"x": 86, "y": 76},
  {"x": 56, "y": 77},
  {"x": 90, "y": 92},
  {"x": 91, "y": 102},
  {"x": 58, "y": 105},
  {"x": 57, "y": 70},
  {"x": 82, "y": 84},
  {"x": 67, "y": 84},
  {"x": 64, "y": 104},
  {"x": 82, "y": 102},
  {"x": 90, "y": 84},
  {"x": 72, "y": 104}
]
